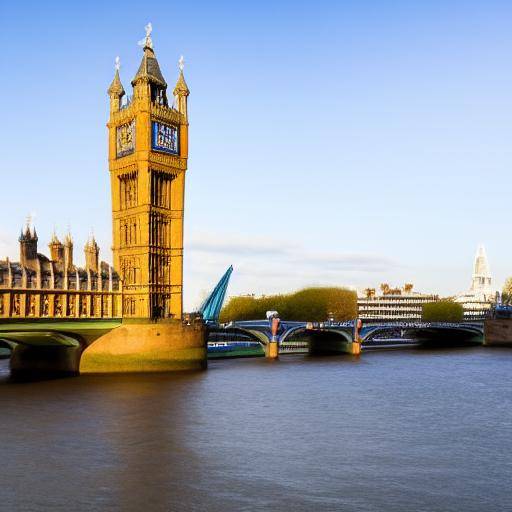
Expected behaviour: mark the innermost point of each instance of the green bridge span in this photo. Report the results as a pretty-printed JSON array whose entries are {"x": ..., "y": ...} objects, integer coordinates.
[{"x": 50, "y": 345}]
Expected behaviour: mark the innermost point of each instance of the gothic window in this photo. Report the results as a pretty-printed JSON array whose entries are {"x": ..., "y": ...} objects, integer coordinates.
[
  {"x": 128, "y": 231},
  {"x": 45, "y": 305},
  {"x": 104, "y": 305},
  {"x": 17, "y": 279},
  {"x": 58, "y": 305},
  {"x": 161, "y": 189},
  {"x": 130, "y": 270},
  {"x": 45, "y": 281},
  {"x": 129, "y": 305},
  {"x": 31, "y": 280},
  {"x": 83, "y": 305},
  {"x": 128, "y": 190},
  {"x": 71, "y": 305},
  {"x": 32, "y": 305}
]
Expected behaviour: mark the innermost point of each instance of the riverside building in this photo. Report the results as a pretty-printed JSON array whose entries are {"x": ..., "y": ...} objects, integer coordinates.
[
  {"x": 397, "y": 306},
  {"x": 477, "y": 302},
  {"x": 37, "y": 286}
]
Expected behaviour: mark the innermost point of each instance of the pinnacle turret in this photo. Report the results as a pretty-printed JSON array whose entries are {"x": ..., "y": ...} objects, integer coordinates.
[
  {"x": 116, "y": 87},
  {"x": 149, "y": 69},
  {"x": 55, "y": 239}
]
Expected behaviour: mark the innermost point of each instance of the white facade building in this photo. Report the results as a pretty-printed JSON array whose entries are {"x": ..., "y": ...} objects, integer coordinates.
[
  {"x": 478, "y": 300},
  {"x": 403, "y": 307}
]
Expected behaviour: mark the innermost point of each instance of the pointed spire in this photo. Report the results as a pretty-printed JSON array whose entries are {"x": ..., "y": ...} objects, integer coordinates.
[
  {"x": 91, "y": 241},
  {"x": 149, "y": 69},
  {"x": 68, "y": 239},
  {"x": 55, "y": 240},
  {"x": 181, "y": 88},
  {"x": 116, "y": 87}
]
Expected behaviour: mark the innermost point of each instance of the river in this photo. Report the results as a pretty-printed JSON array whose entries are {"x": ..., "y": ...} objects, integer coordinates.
[{"x": 397, "y": 430}]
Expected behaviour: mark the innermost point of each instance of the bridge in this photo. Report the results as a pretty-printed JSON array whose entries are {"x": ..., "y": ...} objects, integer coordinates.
[
  {"x": 42, "y": 346},
  {"x": 50, "y": 345},
  {"x": 344, "y": 337}
]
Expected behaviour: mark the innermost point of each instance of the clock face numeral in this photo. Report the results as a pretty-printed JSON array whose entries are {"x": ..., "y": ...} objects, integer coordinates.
[
  {"x": 165, "y": 137},
  {"x": 126, "y": 139}
]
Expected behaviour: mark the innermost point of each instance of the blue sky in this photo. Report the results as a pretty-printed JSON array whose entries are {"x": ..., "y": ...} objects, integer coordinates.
[{"x": 341, "y": 143}]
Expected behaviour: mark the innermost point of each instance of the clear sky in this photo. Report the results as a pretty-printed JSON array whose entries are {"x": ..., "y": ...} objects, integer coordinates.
[{"x": 332, "y": 142}]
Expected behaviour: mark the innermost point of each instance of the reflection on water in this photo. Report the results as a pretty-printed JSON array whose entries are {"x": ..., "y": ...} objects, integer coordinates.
[{"x": 393, "y": 431}]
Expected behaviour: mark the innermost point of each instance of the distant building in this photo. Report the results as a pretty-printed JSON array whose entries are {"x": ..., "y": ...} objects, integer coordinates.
[
  {"x": 481, "y": 282},
  {"x": 393, "y": 305},
  {"x": 478, "y": 300},
  {"x": 38, "y": 286}
]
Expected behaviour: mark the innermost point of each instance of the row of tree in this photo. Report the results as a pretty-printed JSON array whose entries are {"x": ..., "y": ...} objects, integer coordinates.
[
  {"x": 319, "y": 304},
  {"x": 314, "y": 304},
  {"x": 386, "y": 289}
]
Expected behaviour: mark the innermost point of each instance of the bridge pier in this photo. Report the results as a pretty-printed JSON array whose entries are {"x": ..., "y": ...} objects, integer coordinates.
[
  {"x": 144, "y": 346},
  {"x": 354, "y": 348},
  {"x": 272, "y": 350}
]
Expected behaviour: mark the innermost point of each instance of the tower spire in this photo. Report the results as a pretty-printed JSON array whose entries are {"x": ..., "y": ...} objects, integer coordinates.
[
  {"x": 116, "y": 87},
  {"x": 181, "y": 91},
  {"x": 149, "y": 69},
  {"x": 481, "y": 283}
]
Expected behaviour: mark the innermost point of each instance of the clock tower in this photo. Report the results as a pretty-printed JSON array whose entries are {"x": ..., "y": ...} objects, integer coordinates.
[{"x": 148, "y": 151}]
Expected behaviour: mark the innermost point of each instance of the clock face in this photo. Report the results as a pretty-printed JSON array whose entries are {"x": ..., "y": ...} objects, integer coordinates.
[
  {"x": 126, "y": 139},
  {"x": 165, "y": 137}
]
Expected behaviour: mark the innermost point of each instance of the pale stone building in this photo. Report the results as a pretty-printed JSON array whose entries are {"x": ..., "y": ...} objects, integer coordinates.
[
  {"x": 478, "y": 300},
  {"x": 38, "y": 286}
]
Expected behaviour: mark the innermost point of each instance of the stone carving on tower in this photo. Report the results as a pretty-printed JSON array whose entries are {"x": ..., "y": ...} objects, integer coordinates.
[{"x": 148, "y": 151}]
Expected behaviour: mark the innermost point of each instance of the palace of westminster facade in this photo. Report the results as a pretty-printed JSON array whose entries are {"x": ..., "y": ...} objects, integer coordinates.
[{"x": 148, "y": 151}]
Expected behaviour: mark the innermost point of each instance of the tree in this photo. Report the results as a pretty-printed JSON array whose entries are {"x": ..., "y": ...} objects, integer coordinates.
[
  {"x": 408, "y": 287},
  {"x": 384, "y": 288},
  {"x": 369, "y": 293},
  {"x": 310, "y": 304},
  {"x": 442, "y": 311},
  {"x": 506, "y": 293}
]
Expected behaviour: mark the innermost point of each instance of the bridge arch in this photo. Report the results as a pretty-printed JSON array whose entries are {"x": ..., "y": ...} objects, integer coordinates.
[
  {"x": 299, "y": 329},
  {"x": 429, "y": 332},
  {"x": 255, "y": 334}
]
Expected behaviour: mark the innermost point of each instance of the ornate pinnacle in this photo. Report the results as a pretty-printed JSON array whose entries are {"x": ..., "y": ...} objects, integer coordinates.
[
  {"x": 147, "y": 42},
  {"x": 116, "y": 87},
  {"x": 181, "y": 88}
]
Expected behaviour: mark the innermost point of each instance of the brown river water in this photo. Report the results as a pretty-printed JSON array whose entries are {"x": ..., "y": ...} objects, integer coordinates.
[{"x": 397, "y": 430}]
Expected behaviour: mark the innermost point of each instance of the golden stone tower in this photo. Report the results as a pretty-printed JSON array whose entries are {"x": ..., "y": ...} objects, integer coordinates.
[{"x": 148, "y": 150}]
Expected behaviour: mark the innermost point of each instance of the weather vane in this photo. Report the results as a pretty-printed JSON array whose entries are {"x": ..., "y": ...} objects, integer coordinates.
[
  {"x": 181, "y": 63},
  {"x": 118, "y": 64},
  {"x": 147, "y": 42}
]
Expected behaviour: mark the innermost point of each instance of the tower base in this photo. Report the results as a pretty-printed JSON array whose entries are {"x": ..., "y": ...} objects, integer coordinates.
[{"x": 145, "y": 346}]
